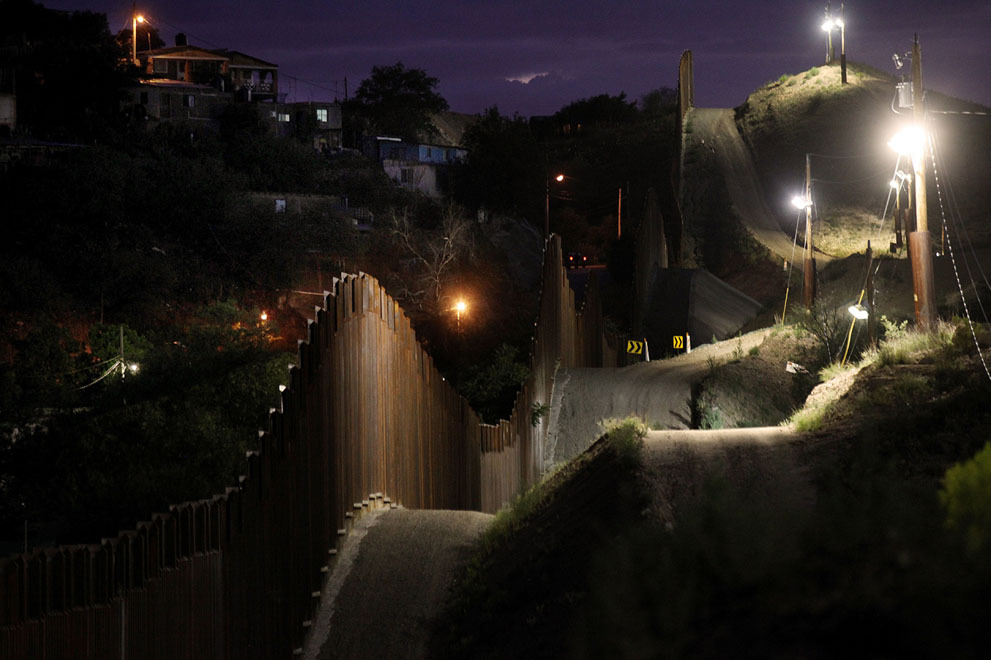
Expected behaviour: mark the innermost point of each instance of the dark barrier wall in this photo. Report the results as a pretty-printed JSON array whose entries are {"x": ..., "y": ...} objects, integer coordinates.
[{"x": 365, "y": 419}]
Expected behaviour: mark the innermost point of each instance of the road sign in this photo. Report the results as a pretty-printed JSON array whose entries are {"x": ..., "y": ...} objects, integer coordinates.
[
  {"x": 634, "y": 347},
  {"x": 679, "y": 342}
]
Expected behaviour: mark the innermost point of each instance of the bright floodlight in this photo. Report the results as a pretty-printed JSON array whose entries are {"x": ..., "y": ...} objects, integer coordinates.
[
  {"x": 800, "y": 202},
  {"x": 559, "y": 178},
  {"x": 858, "y": 312},
  {"x": 461, "y": 306},
  {"x": 827, "y": 25},
  {"x": 134, "y": 367},
  {"x": 908, "y": 141},
  {"x": 141, "y": 19},
  {"x": 839, "y": 23},
  {"x": 263, "y": 316}
]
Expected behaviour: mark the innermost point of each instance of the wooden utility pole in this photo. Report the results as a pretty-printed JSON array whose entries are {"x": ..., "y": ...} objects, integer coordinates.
[
  {"x": 809, "y": 288},
  {"x": 920, "y": 240},
  {"x": 619, "y": 215}
]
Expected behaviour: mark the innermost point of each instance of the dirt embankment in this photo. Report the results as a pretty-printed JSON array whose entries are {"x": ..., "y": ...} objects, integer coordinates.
[{"x": 389, "y": 580}]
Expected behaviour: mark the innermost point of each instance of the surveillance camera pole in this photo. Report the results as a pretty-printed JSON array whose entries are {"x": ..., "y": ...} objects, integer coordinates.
[{"x": 920, "y": 240}]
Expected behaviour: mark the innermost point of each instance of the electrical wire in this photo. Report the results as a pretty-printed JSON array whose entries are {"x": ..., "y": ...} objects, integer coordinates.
[{"x": 949, "y": 244}]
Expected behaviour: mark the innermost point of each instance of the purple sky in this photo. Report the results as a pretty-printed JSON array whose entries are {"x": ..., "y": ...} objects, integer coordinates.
[{"x": 536, "y": 56}]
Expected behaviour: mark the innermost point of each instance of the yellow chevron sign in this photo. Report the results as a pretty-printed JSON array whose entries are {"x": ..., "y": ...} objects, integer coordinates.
[
  {"x": 634, "y": 347},
  {"x": 679, "y": 342}
]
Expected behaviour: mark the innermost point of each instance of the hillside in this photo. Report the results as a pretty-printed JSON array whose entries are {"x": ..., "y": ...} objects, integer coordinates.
[
  {"x": 846, "y": 129},
  {"x": 861, "y": 526}
]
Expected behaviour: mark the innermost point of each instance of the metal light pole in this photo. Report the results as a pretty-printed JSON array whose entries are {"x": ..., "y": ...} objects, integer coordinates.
[
  {"x": 827, "y": 27},
  {"x": 842, "y": 23},
  {"x": 809, "y": 284}
]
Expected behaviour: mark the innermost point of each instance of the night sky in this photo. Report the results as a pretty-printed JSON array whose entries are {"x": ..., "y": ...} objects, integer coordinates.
[{"x": 533, "y": 57}]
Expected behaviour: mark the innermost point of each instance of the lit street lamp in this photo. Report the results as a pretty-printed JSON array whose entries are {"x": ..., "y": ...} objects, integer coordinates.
[
  {"x": 460, "y": 307},
  {"x": 828, "y": 25},
  {"x": 135, "y": 19}
]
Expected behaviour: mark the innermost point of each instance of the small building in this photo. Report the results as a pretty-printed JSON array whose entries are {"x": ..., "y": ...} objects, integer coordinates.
[{"x": 423, "y": 165}]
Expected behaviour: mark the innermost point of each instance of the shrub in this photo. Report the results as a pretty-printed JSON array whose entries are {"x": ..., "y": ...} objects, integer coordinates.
[{"x": 966, "y": 498}]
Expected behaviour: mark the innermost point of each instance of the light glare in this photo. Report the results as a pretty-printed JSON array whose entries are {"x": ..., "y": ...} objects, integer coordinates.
[{"x": 858, "y": 312}]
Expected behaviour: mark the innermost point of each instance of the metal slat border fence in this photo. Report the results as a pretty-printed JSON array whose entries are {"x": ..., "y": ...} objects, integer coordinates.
[{"x": 365, "y": 419}]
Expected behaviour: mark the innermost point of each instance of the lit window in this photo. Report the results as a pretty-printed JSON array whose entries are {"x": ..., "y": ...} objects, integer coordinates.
[
  {"x": 284, "y": 116},
  {"x": 280, "y": 206},
  {"x": 322, "y": 114}
]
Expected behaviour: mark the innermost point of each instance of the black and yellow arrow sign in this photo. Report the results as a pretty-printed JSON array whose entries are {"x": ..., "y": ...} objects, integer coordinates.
[
  {"x": 679, "y": 342},
  {"x": 634, "y": 347}
]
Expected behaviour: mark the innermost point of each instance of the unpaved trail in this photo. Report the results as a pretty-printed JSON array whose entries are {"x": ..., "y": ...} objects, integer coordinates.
[
  {"x": 716, "y": 128},
  {"x": 660, "y": 392},
  {"x": 389, "y": 579}
]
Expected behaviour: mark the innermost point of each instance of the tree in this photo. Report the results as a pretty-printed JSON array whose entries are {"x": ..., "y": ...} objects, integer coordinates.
[
  {"x": 399, "y": 101},
  {"x": 433, "y": 254},
  {"x": 601, "y": 109},
  {"x": 65, "y": 70},
  {"x": 504, "y": 167}
]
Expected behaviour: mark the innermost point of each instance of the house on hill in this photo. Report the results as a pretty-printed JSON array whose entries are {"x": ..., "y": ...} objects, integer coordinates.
[
  {"x": 191, "y": 83},
  {"x": 423, "y": 165}
]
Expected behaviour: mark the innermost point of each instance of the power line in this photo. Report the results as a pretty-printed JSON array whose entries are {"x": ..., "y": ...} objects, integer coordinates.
[{"x": 953, "y": 260}]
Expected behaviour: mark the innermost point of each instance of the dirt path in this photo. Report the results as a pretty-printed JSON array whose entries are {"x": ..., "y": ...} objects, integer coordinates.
[
  {"x": 716, "y": 128},
  {"x": 389, "y": 579},
  {"x": 660, "y": 392}
]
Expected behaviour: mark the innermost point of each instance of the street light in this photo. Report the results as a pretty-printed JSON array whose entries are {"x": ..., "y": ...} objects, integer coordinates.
[
  {"x": 828, "y": 25},
  {"x": 135, "y": 19},
  {"x": 460, "y": 308},
  {"x": 858, "y": 312}
]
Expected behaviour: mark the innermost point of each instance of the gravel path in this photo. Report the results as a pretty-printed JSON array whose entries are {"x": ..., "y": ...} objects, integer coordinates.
[
  {"x": 389, "y": 580},
  {"x": 660, "y": 392}
]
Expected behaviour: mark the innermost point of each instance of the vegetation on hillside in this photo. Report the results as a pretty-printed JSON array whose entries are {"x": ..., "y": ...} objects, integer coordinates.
[{"x": 888, "y": 559}]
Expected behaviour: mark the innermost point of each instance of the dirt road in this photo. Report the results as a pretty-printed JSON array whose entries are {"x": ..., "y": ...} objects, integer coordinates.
[
  {"x": 660, "y": 392},
  {"x": 716, "y": 129}
]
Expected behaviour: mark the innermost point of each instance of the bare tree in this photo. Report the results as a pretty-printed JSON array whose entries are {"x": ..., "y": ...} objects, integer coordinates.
[{"x": 432, "y": 253}]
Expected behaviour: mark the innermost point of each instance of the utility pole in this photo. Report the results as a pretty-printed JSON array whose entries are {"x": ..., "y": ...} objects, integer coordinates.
[
  {"x": 809, "y": 289},
  {"x": 619, "y": 215},
  {"x": 135, "y": 19},
  {"x": 842, "y": 47},
  {"x": 920, "y": 240},
  {"x": 547, "y": 206},
  {"x": 829, "y": 36}
]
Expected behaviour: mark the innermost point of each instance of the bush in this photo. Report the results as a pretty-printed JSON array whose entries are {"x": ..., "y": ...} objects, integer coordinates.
[{"x": 966, "y": 497}]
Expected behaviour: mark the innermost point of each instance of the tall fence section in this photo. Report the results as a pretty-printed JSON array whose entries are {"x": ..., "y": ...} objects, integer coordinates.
[{"x": 365, "y": 420}]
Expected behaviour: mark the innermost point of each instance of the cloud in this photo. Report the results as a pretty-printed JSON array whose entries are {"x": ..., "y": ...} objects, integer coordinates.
[{"x": 525, "y": 78}]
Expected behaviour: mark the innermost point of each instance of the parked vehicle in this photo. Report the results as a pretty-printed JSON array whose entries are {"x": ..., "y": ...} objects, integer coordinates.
[{"x": 576, "y": 260}]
